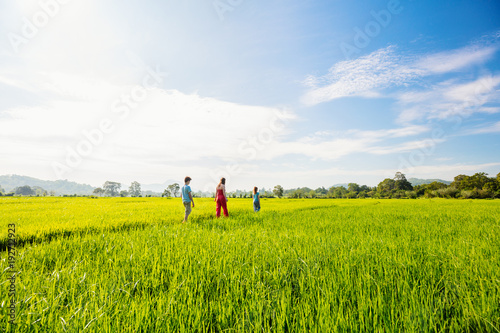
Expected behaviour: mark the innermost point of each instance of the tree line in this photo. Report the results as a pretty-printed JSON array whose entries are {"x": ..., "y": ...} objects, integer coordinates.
[
  {"x": 26, "y": 191},
  {"x": 112, "y": 189},
  {"x": 477, "y": 186}
]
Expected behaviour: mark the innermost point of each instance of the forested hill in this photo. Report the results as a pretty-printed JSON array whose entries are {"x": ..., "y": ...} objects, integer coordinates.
[
  {"x": 418, "y": 181},
  {"x": 10, "y": 182}
]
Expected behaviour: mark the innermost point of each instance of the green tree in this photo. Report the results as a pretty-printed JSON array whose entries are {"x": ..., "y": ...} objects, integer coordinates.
[
  {"x": 460, "y": 182},
  {"x": 490, "y": 186},
  {"x": 337, "y": 192},
  {"x": 174, "y": 189},
  {"x": 386, "y": 186},
  {"x": 2, "y": 190},
  {"x": 434, "y": 186},
  {"x": 351, "y": 195},
  {"x": 353, "y": 187},
  {"x": 123, "y": 193},
  {"x": 312, "y": 194},
  {"x": 111, "y": 188},
  {"x": 321, "y": 191},
  {"x": 24, "y": 190},
  {"x": 478, "y": 180},
  {"x": 362, "y": 194},
  {"x": 365, "y": 188},
  {"x": 97, "y": 191},
  {"x": 497, "y": 194},
  {"x": 166, "y": 193},
  {"x": 135, "y": 189},
  {"x": 297, "y": 194},
  {"x": 470, "y": 183},
  {"x": 401, "y": 183},
  {"x": 39, "y": 191},
  {"x": 278, "y": 191}
]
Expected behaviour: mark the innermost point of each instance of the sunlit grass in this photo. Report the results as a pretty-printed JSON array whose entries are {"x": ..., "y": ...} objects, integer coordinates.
[{"x": 298, "y": 265}]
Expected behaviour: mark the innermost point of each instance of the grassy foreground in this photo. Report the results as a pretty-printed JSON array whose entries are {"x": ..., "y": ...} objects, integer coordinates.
[{"x": 128, "y": 265}]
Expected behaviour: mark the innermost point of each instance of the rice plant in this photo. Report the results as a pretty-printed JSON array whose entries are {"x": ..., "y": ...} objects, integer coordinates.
[{"x": 129, "y": 265}]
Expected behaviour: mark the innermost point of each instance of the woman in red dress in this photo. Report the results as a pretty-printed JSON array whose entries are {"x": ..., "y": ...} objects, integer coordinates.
[{"x": 221, "y": 198}]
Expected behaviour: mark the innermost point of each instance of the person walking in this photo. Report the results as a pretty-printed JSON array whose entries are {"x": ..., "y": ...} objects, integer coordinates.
[
  {"x": 221, "y": 198},
  {"x": 256, "y": 199},
  {"x": 187, "y": 198}
]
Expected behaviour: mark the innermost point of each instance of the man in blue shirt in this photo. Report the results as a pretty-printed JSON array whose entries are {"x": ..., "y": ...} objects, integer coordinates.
[{"x": 187, "y": 197}]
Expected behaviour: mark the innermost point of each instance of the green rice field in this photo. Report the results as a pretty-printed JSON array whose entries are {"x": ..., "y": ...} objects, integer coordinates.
[{"x": 312, "y": 265}]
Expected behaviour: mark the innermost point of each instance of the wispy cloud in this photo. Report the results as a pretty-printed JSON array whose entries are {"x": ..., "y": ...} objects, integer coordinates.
[
  {"x": 332, "y": 146},
  {"x": 392, "y": 133},
  {"x": 384, "y": 68},
  {"x": 360, "y": 77},
  {"x": 406, "y": 146},
  {"x": 495, "y": 128},
  {"x": 450, "y": 61},
  {"x": 449, "y": 99}
]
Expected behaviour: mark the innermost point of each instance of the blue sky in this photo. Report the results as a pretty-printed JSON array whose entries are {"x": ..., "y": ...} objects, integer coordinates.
[{"x": 297, "y": 93}]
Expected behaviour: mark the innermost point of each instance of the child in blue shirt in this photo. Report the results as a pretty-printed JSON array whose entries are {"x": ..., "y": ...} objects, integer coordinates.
[
  {"x": 187, "y": 197},
  {"x": 256, "y": 200}
]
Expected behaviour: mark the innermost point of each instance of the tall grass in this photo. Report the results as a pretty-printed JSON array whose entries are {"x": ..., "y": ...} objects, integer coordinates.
[{"x": 310, "y": 265}]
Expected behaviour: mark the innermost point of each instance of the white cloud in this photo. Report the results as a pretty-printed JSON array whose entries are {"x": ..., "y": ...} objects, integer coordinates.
[
  {"x": 495, "y": 128},
  {"x": 167, "y": 129},
  {"x": 476, "y": 91},
  {"x": 181, "y": 127},
  {"x": 406, "y": 146},
  {"x": 449, "y": 61},
  {"x": 393, "y": 133},
  {"x": 367, "y": 135},
  {"x": 450, "y": 99},
  {"x": 359, "y": 77},
  {"x": 384, "y": 68},
  {"x": 444, "y": 159},
  {"x": 332, "y": 146},
  {"x": 13, "y": 82}
]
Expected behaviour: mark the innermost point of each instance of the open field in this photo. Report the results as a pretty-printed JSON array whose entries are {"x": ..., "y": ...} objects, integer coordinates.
[{"x": 128, "y": 265}]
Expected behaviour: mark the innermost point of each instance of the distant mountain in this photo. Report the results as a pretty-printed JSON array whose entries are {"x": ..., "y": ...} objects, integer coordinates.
[
  {"x": 346, "y": 185},
  {"x": 10, "y": 182},
  {"x": 418, "y": 181}
]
